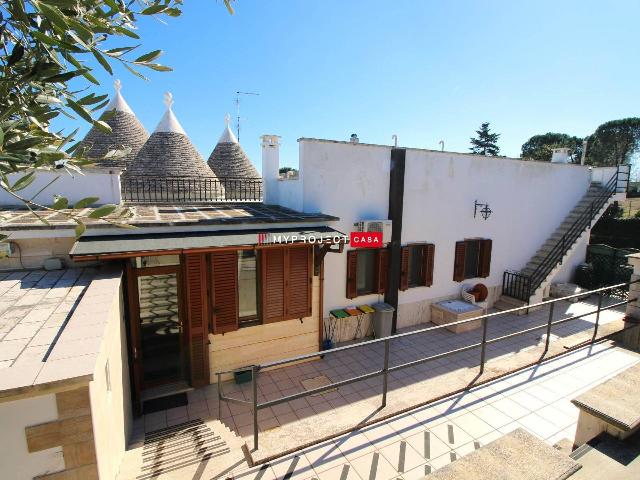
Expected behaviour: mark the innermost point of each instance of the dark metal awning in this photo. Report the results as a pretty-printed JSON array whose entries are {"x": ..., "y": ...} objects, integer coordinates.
[{"x": 134, "y": 245}]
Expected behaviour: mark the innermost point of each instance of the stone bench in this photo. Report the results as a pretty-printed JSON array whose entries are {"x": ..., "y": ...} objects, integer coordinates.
[
  {"x": 612, "y": 407},
  {"x": 518, "y": 455}
]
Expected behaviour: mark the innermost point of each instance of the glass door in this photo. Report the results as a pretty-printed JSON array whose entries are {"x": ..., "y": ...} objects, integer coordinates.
[{"x": 160, "y": 326}]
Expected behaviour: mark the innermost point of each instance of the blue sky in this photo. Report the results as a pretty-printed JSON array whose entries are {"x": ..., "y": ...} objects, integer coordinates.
[{"x": 424, "y": 70}]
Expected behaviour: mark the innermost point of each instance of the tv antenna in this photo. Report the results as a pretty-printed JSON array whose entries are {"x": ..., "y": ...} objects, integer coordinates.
[{"x": 238, "y": 109}]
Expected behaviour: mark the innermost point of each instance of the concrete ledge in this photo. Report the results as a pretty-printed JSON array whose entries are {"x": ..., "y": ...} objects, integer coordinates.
[
  {"x": 516, "y": 455},
  {"x": 615, "y": 401}
]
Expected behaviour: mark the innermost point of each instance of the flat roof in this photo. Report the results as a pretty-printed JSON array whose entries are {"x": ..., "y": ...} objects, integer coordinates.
[
  {"x": 52, "y": 325},
  {"x": 96, "y": 246},
  {"x": 166, "y": 215}
]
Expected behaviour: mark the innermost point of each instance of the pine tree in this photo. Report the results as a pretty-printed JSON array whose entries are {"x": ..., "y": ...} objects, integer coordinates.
[{"x": 486, "y": 142}]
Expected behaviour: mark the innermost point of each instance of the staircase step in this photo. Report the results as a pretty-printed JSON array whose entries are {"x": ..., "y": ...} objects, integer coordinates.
[{"x": 508, "y": 303}]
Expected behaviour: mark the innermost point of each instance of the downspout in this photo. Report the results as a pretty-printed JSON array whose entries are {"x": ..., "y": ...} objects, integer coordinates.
[{"x": 396, "y": 203}]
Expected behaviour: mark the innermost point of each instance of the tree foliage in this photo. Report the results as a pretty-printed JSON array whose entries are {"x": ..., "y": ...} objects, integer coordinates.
[
  {"x": 48, "y": 51},
  {"x": 614, "y": 142},
  {"x": 539, "y": 147},
  {"x": 485, "y": 143}
]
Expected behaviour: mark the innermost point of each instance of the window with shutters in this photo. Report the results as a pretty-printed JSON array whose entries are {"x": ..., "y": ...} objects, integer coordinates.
[
  {"x": 417, "y": 265},
  {"x": 472, "y": 259},
  {"x": 286, "y": 282},
  {"x": 367, "y": 271}
]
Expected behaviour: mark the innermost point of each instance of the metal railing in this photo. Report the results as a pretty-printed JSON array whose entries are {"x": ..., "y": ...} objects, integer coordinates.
[
  {"x": 256, "y": 406},
  {"x": 143, "y": 189},
  {"x": 522, "y": 285}
]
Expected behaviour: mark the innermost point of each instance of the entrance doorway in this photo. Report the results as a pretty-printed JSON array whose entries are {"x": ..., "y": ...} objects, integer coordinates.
[
  {"x": 160, "y": 329},
  {"x": 157, "y": 327}
]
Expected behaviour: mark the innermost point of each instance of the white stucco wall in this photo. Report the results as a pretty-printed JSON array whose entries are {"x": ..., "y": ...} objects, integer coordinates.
[
  {"x": 15, "y": 460},
  {"x": 110, "y": 397},
  {"x": 351, "y": 182},
  {"x": 104, "y": 184},
  {"x": 529, "y": 201},
  {"x": 290, "y": 193}
]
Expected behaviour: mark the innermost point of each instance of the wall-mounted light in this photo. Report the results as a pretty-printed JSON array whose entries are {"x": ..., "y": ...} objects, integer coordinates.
[{"x": 483, "y": 208}]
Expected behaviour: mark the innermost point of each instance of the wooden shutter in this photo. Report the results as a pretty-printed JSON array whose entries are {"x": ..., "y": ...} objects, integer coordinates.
[
  {"x": 352, "y": 273},
  {"x": 404, "y": 268},
  {"x": 273, "y": 284},
  {"x": 484, "y": 260},
  {"x": 299, "y": 277},
  {"x": 196, "y": 288},
  {"x": 458, "y": 265},
  {"x": 224, "y": 294},
  {"x": 428, "y": 255},
  {"x": 383, "y": 269}
]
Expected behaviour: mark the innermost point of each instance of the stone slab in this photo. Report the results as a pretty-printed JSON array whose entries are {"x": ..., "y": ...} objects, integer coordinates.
[
  {"x": 615, "y": 401},
  {"x": 517, "y": 455}
]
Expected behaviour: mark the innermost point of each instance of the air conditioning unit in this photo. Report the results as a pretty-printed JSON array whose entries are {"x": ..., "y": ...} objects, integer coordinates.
[{"x": 383, "y": 226}]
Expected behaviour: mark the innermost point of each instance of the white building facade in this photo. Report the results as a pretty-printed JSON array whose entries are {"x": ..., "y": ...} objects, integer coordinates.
[{"x": 444, "y": 194}]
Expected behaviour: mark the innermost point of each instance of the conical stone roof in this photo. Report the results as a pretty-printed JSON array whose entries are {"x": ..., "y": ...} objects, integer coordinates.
[
  {"x": 126, "y": 131},
  {"x": 169, "y": 152},
  {"x": 228, "y": 159}
]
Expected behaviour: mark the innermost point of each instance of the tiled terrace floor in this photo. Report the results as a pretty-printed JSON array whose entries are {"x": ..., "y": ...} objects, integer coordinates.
[
  {"x": 413, "y": 444},
  {"x": 342, "y": 365}
]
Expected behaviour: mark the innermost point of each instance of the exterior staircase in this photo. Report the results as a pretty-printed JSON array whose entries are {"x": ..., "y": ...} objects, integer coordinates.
[
  {"x": 527, "y": 286},
  {"x": 194, "y": 449}
]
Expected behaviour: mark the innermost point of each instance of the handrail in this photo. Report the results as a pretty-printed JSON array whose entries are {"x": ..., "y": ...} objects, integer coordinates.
[
  {"x": 386, "y": 369},
  {"x": 520, "y": 285}
]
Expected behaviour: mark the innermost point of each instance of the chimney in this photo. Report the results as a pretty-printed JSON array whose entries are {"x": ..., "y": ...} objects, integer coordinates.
[
  {"x": 270, "y": 168},
  {"x": 561, "y": 155}
]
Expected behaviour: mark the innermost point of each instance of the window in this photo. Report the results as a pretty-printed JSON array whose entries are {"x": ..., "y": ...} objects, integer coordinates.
[
  {"x": 472, "y": 259},
  {"x": 155, "y": 261},
  {"x": 417, "y": 265},
  {"x": 366, "y": 271},
  {"x": 286, "y": 275},
  {"x": 247, "y": 286},
  {"x": 283, "y": 292}
]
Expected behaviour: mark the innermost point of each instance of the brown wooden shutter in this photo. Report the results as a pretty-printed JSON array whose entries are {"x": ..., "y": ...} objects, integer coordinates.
[
  {"x": 458, "y": 265},
  {"x": 428, "y": 255},
  {"x": 383, "y": 269},
  {"x": 196, "y": 283},
  {"x": 273, "y": 284},
  {"x": 404, "y": 268},
  {"x": 299, "y": 276},
  {"x": 352, "y": 273},
  {"x": 484, "y": 261},
  {"x": 224, "y": 294}
]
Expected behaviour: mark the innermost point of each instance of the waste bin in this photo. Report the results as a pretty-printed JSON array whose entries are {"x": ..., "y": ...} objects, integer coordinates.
[{"x": 382, "y": 319}]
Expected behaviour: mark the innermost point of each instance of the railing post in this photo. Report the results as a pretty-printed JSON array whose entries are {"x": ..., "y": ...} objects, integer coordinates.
[
  {"x": 483, "y": 348},
  {"x": 219, "y": 397},
  {"x": 548, "y": 339},
  {"x": 595, "y": 329},
  {"x": 254, "y": 398},
  {"x": 385, "y": 375}
]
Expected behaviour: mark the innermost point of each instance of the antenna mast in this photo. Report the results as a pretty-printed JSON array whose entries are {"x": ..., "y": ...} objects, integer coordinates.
[{"x": 238, "y": 109}]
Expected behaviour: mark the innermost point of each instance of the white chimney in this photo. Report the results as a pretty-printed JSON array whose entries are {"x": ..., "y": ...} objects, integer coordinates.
[
  {"x": 561, "y": 155},
  {"x": 270, "y": 168}
]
